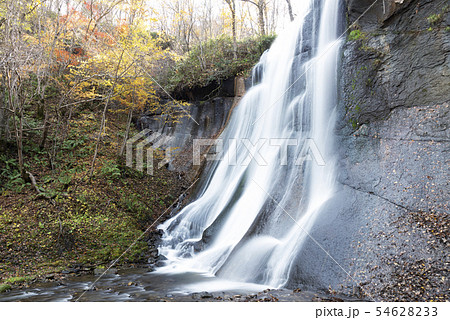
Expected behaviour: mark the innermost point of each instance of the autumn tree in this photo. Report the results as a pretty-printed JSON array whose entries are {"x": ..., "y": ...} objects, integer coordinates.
[
  {"x": 20, "y": 56},
  {"x": 182, "y": 20}
]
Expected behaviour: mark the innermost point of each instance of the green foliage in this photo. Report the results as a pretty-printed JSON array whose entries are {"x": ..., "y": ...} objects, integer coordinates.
[
  {"x": 4, "y": 287},
  {"x": 133, "y": 203},
  {"x": 64, "y": 178},
  {"x": 356, "y": 35},
  {"x": 213, "y": 61},
  {"x": 354, "y": 124},
  {"x": 10, "y": 176},
  {"x": 17, "y": 280},
  {"x": 110, "y": 170},
  {"x": 437, "y": 18},
  {"x": 434, "y": 18},
  {"x": 71, "y": 144}
]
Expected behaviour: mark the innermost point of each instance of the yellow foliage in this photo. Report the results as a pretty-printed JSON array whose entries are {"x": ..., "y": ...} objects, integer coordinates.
[{"x": 118, "y": 59}]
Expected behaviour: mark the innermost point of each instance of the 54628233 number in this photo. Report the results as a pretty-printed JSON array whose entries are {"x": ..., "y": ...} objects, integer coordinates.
[{"x": 407, "y": 311}]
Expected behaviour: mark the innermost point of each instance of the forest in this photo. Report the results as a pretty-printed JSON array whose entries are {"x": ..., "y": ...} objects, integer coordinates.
[{"x": 73, "y": 76}]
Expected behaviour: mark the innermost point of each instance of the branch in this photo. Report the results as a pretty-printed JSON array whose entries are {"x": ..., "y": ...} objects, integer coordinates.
[
  {"x": 40, "y": 193},
  {"x": 252, "y": 2}
]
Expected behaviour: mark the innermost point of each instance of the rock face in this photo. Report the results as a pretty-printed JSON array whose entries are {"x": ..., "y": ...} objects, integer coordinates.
[
  {"x": 194, "y": 120},
  {"x": 385, "y": 234}
]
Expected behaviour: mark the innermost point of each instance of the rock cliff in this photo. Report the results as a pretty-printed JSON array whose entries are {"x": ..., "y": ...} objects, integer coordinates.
[
  {"x": 193, "y": 120},
  {"x": 385, "y": 234}
]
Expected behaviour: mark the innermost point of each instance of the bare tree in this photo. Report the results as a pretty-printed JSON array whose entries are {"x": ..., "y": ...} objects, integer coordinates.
[
  {"x": 105, "y": 109},
  {"x": 17, "y": 59},
  {"x": 261, "y": 6},
  {"x": 4, "y": 118},
  {"x": 232, "y": 6},
  {"x": 291, "y": 14}
]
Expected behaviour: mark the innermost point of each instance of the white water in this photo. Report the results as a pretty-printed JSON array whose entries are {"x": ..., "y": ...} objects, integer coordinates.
[{"x": 252, "y": 215}]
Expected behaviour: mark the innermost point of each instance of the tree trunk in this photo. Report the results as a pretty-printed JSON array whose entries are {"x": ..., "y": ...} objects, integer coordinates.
[
  {"x": 261, "y": 6},
  {"x": 44, "y": 131},
  {"x": 127, "y": 133},
  {"x": 291, "y": 14},
  {"x": 261, "y": 22},
  {"x": 105, "y": 109},
  {"x": 232, "y": 5},
  {"x": 3, "y": 122},
  {"x": 18, "y": 128}
]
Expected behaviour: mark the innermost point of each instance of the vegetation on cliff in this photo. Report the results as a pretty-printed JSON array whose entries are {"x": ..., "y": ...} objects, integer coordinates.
[{"x": 213, "y": 61}]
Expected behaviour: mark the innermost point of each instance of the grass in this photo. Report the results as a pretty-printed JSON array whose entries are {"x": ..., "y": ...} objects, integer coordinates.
[{"x": 17, "y": 280}]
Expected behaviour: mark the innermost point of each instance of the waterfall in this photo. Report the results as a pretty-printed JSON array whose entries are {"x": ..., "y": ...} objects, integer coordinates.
[{"x": 258, "y": 202}]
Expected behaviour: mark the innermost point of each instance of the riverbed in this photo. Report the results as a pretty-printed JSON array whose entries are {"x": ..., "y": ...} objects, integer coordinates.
[{"x": 140, "y": 284}]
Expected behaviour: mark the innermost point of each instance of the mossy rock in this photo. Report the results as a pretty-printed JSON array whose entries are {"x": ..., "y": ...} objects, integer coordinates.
[{"x": 4, "y": 287}]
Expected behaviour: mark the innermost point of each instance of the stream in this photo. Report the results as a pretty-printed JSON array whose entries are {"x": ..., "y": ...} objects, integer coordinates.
[{"x": 139, "y": 284}]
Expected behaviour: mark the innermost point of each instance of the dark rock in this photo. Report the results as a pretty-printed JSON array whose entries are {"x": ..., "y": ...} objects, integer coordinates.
[
  {"x": 69, "y": 271},
  {"x": 202, "y": 295},
  {"x": 203, "y": 119},
  {"x": 393, "y": 133},
  {"x": 99, "y": 271}
]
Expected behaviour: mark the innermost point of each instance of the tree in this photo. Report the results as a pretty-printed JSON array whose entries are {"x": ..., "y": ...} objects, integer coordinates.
[
  {"x": 232, "y": 6},
  {"x": 179, "y": 18},
  {"x": 261, "y": 6},
  {"x": 20, "y": 55},
  {"x": 291, "y": 14}
]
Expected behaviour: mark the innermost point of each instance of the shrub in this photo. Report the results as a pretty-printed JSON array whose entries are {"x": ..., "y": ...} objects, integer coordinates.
[
  {"x": 356, "y": 35},
  {"x": 434, "y": 18},
  {"x": 110, "y": 170},
  {"x": 213, "y": 61}
]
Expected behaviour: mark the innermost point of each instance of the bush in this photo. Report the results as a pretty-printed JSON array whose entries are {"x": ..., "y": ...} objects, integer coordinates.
[
  {"x": 434, "y": 18},
  {"x": 213, "y": 61},
  {"x": 356, "y": 35},
  {"x": 110, "y": 170}
]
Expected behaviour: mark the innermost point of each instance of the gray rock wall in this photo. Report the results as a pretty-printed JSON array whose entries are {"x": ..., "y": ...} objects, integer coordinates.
[
  {"x": 194, "y": 120},
  {"x": 385, "y": 234}
]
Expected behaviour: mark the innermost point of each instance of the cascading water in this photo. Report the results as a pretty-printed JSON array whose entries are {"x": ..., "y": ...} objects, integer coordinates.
[{"x": 258, "y": 203}]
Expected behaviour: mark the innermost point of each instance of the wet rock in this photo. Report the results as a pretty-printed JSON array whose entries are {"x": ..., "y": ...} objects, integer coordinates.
[
  {"x": 212, "y": 115},
  {"x": 202, "y": 295},
  {"x": 71, "y": 270},
  {"x": 153, "y": 253},
  {"x": 100, "y": 271}
]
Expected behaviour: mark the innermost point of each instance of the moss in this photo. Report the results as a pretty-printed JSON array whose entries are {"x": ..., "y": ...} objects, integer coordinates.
[
  {"x": 18, "y": 280},
  {"x": 434, "y": 18},
  {"x": 4, "y": 287},
  {"x": 357, "y": 35},
  {"x": 354, "y": 124}
]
